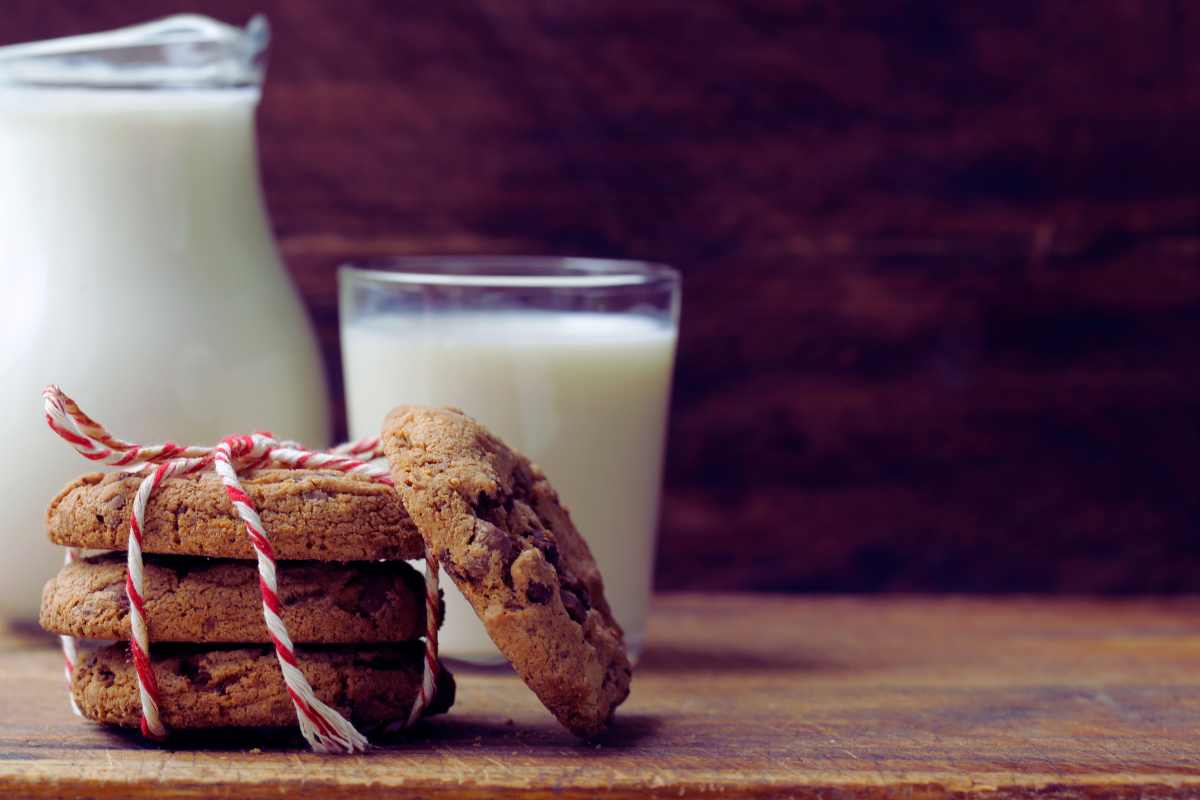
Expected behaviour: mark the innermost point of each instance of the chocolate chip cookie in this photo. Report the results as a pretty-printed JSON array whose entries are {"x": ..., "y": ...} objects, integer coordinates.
[
  {"x": 243, "y": 687},
  {"x": 207, "y": 600},
  {"x": 500, "y": 532},
  {"x": 309, "y": 514}
]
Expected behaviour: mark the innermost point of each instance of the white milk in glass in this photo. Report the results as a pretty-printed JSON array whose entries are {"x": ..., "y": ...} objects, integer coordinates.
[
  {"x": 583, "y": 394},
  {"x": 139, "y": 272}
]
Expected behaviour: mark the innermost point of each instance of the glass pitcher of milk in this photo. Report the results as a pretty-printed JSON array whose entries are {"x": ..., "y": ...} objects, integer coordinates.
[{"x": 138, "y": 266}]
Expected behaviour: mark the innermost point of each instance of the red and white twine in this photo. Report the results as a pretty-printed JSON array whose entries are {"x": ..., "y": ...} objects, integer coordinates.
[
  {"x": 70, "y": 651},
  {"x": 323, "y": 727}
]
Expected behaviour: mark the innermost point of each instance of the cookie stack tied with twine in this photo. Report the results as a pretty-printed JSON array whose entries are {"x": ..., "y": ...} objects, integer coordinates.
[{"x": 273, "y": 587}]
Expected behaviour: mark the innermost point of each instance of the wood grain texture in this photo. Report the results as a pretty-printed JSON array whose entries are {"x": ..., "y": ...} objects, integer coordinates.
[
  {"x": 942, "y": 260},
  {"x": 903, "y": 697}
]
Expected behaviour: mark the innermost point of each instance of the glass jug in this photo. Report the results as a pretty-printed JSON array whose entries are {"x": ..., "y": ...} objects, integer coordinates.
[{"x": 138, "y": 268}]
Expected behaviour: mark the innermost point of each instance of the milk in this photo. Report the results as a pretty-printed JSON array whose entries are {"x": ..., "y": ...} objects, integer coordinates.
[
  {"x": 584, "y": 395},
  {"x": 139, "y": 272}
]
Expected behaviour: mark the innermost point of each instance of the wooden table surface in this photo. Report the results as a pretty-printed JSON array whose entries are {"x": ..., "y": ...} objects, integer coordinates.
[{"x": 735, "y": 696}]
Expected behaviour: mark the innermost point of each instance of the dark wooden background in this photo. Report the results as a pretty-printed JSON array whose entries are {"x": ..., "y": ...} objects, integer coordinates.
[{"x": 942, "y": 259}]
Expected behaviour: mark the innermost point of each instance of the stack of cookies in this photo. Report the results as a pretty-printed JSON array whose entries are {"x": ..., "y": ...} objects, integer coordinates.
[{"x": 354, "y": 608}]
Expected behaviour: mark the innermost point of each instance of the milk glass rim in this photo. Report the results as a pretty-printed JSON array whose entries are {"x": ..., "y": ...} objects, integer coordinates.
[{"x": 502, "y": 271}]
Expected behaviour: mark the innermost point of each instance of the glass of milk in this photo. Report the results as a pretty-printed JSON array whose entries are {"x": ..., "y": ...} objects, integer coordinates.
[{"x": 569, "y": 360}]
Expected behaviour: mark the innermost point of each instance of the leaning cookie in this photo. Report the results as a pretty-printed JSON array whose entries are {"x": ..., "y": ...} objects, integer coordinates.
[
  {"x": 309, "y": 514},
  {"x": 191, "y": 599},
  {"x": 499, "y": 531},
  {"x": 243, "y": 687}
]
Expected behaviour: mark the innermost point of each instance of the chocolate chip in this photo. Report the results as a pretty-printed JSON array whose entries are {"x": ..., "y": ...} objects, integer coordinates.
[
  {"x": 569, "y": 581},
  {"x": 495, "y": 508},
  {"x": 537, "y": 592},
  {"x": 502, "y": 543},
  {"x": 575, "y": 597},
  {"x": 545, "y": 542},
  {"x": 485, "y": 504},
  {"x": 117, "y": 501},
  {"x": 197, "y": 675},
  {"x": 575, "y": 605},
  {"x": 314, "y": 495}
]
